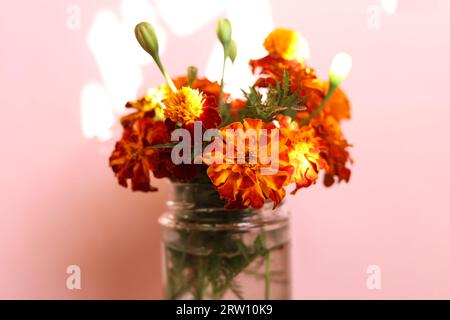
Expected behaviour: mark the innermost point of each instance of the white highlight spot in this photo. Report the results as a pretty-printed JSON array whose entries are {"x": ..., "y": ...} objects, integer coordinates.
[
  {"x": 186, "y": 17},
  {"x": 116, "y": 58},
  {"x": 390, "y": 6},
  {"x": 305, "y": 51},
  {"x": 97, "y": 118},
  {"x": 120, "y": 59}
]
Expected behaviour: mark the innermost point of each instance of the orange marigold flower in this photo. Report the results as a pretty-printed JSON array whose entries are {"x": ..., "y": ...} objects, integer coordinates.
[
  {"x": 337, "y": 107},
  {"x": 283, "y": 43},
  {"x": 336, "y": 154},
  {"x": 132, "y": 159},
  {"x": 244, "y": 184}
]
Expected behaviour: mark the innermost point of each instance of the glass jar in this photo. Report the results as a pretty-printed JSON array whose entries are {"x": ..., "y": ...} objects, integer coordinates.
[{"x": 213, "y": 253}]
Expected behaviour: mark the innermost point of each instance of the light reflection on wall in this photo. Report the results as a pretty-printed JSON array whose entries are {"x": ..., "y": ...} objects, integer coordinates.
[
  {"x": 390, "y": 6},
  {"x": 97, "y": 118},
  {"x": 120, "y": 59},
  {"x": 184, "y": 17}
]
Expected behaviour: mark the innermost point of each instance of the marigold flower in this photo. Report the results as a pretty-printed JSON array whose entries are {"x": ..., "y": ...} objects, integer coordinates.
[
  {"x": 147, "y": 106},
  {"x": 151, "y": 104},
  {"x": 184, "y": 106},
  {"x": 336, "y": 154},
  {"x": 132, "y": 159},
  {"x": 283, "y": 43},
  {"x": 207, "y": 87},
  {"x": 191, "y": 104},
  {"x": 305, "y": 157},
  {"x": 244, "y": 184},
  {"x": 304, "y": 152},
  {"x": 337, "y": 107}
]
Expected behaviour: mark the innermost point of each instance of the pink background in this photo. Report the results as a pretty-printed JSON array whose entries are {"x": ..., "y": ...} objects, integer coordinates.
[{"x": 60, "y": 204}]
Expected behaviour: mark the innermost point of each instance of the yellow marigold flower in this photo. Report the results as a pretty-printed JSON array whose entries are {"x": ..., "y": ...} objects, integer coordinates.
[
  {"x": 184, "y": 106},
  {"x": 305, "y": 149},
  {"x": 283, "y": 43},
  {"x": 305, "y": 157}
]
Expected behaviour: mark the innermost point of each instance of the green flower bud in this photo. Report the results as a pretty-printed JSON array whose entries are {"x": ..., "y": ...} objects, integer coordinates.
[
  {"x": 146, "y": 36},
  {"x": 224, "y": 31},
  {"x": 231, "y": 51},
  {"x": 191, "y": 75}
]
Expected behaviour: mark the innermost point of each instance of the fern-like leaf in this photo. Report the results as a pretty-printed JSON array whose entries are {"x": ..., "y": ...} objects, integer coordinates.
[{"x": 280, "y": 100}]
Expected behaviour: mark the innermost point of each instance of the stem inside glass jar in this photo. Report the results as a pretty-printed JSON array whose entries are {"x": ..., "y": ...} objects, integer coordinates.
[{"x": 210, "y": 251}]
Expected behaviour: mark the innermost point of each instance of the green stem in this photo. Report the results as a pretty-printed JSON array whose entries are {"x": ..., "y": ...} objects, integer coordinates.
[
  {"x": 190, "y": 82},
  {"x": 267, "y": 286},
  {"x": 201, "y": 280},
  {"x": 165, "y": 74},
  {"x": 222, "y": 83},
  {"x": 322, "y": 105}
]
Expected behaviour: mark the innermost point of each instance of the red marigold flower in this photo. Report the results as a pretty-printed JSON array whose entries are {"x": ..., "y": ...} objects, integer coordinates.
[{"x": 132, "y": 159}]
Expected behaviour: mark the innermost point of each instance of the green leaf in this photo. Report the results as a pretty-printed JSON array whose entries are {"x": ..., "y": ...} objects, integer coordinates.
[
  {"x": 163, "y": 145},
  {"x": 280, "y": 100}
]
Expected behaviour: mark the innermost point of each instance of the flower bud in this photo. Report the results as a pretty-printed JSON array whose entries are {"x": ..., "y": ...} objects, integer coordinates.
[
  {"x": 146, "y": 36},
  {"x": 340, "y": 68},
  {"x": 191, "y": 75},
  {"x": 224, "y": 31},
  {"x": 232, "y": 51}
]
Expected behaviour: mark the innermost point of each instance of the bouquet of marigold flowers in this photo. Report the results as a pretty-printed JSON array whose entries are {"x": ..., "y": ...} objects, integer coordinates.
[{"x": 232, "y": 155}]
